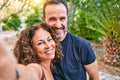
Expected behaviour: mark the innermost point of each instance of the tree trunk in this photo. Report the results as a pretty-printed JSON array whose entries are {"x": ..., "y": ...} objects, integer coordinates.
[{"x": 112, "y": 51}]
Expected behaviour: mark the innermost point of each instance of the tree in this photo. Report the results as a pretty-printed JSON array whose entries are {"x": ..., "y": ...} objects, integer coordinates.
[
  {"x": 33, "y": 19},
  {"x": 8, "y": 7},
  {"x": 77, "y": 16},
  {"x": 9, "y": 10},
  {"x": 103, "y": 17},
  {"x": 13, "y": 22}
]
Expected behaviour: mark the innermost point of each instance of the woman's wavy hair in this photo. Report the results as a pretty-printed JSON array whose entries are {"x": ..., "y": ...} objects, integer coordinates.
[{"x": 23, "y": 49}]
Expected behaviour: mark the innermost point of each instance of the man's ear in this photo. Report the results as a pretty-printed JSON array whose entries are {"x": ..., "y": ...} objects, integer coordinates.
[{"x": 43, "y": 18}]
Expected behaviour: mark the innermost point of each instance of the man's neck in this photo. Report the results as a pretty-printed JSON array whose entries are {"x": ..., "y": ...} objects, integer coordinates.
[{"x": 61, "y": 39}]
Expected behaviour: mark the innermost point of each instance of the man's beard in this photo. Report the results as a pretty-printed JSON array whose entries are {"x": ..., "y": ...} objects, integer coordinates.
[{"x": 57, "y": 35}]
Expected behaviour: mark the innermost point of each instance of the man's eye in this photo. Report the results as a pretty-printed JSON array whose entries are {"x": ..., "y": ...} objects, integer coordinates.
[
  {"x": 62, "y": 19},
  {"x": 51, "y": 20}
]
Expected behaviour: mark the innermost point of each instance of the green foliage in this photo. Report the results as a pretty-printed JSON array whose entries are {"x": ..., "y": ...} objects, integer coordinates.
[
  {"x": 105, "y": 17},
  {"x": 77, "y": 24},
  {"x": 101, "y": 17},
  {"x": 4, "y": 28},
  {"x": 33, "y": 19},
  {"x": 5, "y": 20},
  {"x": 13, "y": 22}
]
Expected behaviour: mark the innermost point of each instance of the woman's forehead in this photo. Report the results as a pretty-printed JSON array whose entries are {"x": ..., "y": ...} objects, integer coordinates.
[{"x": 41, "y": 34}]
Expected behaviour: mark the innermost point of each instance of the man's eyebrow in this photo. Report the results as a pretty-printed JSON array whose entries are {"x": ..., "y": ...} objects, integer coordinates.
[
  {"x": 63, "y": 17},
  {"x": 51, "y": 18}
]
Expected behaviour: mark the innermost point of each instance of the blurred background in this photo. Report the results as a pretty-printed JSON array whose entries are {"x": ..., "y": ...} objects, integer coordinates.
[{"x": 96, "y": 20}]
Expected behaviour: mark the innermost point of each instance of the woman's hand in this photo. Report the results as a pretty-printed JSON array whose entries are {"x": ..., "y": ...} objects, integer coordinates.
[{"x": 7, "y": 65}]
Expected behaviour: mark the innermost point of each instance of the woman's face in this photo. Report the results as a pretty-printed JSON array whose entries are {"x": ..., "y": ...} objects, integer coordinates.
[{"x": 43, "y": 45}]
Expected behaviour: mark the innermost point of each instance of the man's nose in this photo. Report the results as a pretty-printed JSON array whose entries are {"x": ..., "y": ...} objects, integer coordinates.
[{"x": 58, "y": 24}]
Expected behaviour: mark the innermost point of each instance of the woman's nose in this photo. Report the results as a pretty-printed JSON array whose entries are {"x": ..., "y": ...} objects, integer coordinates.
[{"x": 48, "y": 45}]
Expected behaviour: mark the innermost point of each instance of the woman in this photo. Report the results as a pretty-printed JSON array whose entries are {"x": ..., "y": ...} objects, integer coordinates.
[{"x": 37, "y": 52}]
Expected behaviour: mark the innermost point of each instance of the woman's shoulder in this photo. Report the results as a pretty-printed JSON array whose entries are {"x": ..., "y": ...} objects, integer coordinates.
[
  {"x": 32, "y": 71},
  {"x": 36, "y": 69},
  {"x": 35, "y": 66}
]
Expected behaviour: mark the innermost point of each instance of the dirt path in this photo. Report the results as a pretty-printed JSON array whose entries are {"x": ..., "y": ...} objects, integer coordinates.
[{"x": 99, "y": 51}]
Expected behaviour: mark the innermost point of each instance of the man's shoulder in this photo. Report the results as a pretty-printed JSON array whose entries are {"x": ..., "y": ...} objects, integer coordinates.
[{"x": 77, "y": 38}]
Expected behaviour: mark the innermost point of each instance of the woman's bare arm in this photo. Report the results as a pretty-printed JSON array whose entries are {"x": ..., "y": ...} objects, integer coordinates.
[
  {"x": 30, "y": 72},
  {"x": 8, "y": 66}
]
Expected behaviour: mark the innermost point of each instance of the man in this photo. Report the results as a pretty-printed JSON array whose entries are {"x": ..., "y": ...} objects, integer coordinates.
[{"x": 79, "y": 57}]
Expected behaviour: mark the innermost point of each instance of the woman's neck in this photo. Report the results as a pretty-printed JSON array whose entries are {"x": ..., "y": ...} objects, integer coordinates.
[
  {"x": 46, "y": 64},
  {"x": 47, "y": 70}
]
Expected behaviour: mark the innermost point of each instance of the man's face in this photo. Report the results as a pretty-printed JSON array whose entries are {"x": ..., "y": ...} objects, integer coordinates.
[{"x": 56, "y": 17}]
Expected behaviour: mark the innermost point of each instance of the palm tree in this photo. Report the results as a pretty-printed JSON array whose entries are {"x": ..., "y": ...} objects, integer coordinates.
[{"x": 103, "y": 16}]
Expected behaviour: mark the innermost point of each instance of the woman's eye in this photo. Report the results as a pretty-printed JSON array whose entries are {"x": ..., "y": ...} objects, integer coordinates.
[
  {"x": 40, "y": 43},
  {"x": 50, "y": 39}
]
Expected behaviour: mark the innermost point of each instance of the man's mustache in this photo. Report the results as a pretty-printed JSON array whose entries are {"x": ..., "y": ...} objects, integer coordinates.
[{"x": 56, "y": 28}]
